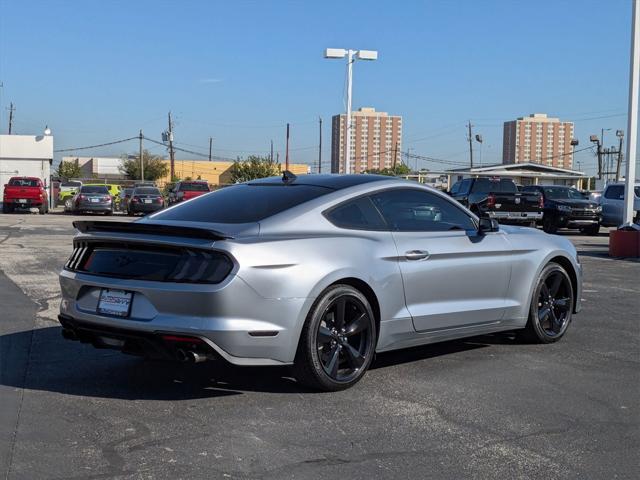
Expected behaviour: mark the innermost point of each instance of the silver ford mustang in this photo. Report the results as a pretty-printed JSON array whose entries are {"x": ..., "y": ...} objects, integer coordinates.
[{"x": 317, "y": 271}]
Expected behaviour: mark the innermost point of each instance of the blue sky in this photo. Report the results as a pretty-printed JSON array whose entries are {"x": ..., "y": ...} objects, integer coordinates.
[{"x": 238, "y": 71}]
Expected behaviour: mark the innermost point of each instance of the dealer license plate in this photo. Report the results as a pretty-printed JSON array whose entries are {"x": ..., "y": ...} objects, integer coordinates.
[
  {"x": 22, "y": 200},
  {"x": 147, "y": 200},
  {"x": 115, "y": 302},
  {"x": 95, "y": 200}
]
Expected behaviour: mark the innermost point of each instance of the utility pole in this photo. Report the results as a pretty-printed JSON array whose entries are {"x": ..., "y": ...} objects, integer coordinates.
[
  {"x": 287, "y": 151},
  {"x": 320, "y": 147},
  {"x": 171, "y": 152},
  {"x": 210, "y": 147},
  {"x": 11, "y": 110},
  {"x": 620, "y": 135},
  {"x": 470, "y": 145},
  {"x": 271, "y": 154},
  {"x": 395, "y": 157},
  {"x": 141, "y": 159}
]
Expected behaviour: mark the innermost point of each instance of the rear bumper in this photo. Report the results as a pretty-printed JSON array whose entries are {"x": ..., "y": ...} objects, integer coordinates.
[
  {"x": 144, "y": 207},
  {"x": 93, "y": 207},
  {"x": 241, "y": 326},
  {"x": 28, "y": 202},
  {"x": 517, "y": 217}
]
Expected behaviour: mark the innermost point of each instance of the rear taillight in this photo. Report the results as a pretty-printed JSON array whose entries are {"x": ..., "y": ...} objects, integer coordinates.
[
  {"x": 491, "y": 200},
  {"x": 135, "y": 199},
  {"x": 540, "y": 201},
  {"x": 106, "y": 198},
  {"x": 82, "y": 197}
]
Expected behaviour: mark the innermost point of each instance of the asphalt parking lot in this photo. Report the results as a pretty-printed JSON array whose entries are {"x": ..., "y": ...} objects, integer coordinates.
[{"x": 486, "y": 407}]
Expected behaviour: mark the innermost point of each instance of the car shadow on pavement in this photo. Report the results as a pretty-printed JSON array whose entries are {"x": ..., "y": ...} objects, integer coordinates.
[{"x": 41, "y": 359}]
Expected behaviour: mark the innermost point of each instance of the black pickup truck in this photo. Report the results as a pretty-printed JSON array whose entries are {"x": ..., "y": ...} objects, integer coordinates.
[{"x": 499, "y": 198}]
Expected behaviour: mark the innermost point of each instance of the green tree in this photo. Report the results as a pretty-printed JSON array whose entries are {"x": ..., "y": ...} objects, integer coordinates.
[
  {"x": 253, "y": 167},
  {"x": 399, "y": 170},
  {"x": 154, "y": 166},
  {"x": 69, "y": 169}
]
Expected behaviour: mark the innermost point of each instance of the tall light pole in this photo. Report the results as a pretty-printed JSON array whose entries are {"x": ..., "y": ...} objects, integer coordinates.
[
  {"x": 351, "y": 56},
  {"x": 632, "y": 117}
]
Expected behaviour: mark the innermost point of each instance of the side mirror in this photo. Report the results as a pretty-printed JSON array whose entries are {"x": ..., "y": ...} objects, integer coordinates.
[{"x": 488, "y": 225}]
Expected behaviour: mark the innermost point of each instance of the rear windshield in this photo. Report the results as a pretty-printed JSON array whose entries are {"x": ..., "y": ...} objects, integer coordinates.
[
  {"x": 563, "y": 193},
  {"x": 71, "y": 184},
  {"x": 23, "y": 182},
  {"x": 146, "y": 191},
  {"x": 94, "y": 189},
  {"x": 488, "y": 185},
  {"x": 242, "y": 203},
  {"x": 194, "y": 187}
]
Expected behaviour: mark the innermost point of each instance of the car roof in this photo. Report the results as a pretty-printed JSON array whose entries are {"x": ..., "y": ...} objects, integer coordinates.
[{"x": 332, "y": 181}]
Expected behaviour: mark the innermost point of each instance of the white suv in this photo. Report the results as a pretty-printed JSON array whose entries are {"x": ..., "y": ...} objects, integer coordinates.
[{"x": 612, "y": 201}]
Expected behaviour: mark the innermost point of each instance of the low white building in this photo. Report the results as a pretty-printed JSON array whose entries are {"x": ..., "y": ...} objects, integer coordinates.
[
  {"x": 524, "y": 174},
  {"x": 26, "y": 156},
  {"x": 98, "y": 167}
]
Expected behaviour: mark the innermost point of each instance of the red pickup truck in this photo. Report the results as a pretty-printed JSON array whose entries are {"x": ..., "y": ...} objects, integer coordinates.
[{"x": 25, "y": 192}]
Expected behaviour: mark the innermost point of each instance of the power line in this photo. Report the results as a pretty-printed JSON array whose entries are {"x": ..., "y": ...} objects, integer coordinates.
[{"x": 96, "y": 146}]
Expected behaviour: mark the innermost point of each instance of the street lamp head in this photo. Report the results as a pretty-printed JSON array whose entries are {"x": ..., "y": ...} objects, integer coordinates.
[
  {"x": 367, "y": 55},
  {"x": 574, "y": 142},
  {"x": 594, "y": 139},
  {"x": 479, "y": 138},
  {"x": 335, "y": 53},
  {"x": 47, "y": 130},
  {"x": 620, "y": 133}
]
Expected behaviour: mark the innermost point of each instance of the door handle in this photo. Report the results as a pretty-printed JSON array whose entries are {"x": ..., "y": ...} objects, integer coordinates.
[{"x": 416, "y": 254}]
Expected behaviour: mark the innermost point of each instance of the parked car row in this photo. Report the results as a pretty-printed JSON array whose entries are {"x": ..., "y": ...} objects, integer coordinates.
[{"x": 551, "y": 206}]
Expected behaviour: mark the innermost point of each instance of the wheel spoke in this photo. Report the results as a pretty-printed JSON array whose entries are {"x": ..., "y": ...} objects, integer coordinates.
[
  {"x": 543, "y": 315},
  {"x": 324, "y": 335},
  {"x": 341, "y": 306},
  {"x": 555, "y": 321},
  {"x": 544, "y": 291},
  {"x": 555, "y": 284},
  {"x": 563, "y": 304},
  {"x": 358, "y": 325},
  {"x": 334, "y": 361},
  {"x": 354, "y": 357}
]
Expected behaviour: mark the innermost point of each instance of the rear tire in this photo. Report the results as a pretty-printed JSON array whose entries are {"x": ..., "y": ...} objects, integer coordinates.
[
  {"x": 42, "y": 209},
  {"x": 549, "y": 224},
  {"x": 337, "y": 343},
  {"x": 6, "y": 208},
  {"x": 551, "y": 306}
]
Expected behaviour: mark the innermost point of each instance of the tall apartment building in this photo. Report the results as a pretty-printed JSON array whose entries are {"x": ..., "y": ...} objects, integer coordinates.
[
  {"x": 376, "y": 140},
  {"x": 538, "y": 139}
]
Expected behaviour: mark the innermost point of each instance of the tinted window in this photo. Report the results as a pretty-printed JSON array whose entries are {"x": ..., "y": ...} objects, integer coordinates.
[
  {"x": 359, "y": 214},
  {"x": 455, "y": 188},
  {"x": 530, "y": 190},
  {"x": 242, "y": 203},
  {"x": 194, "y": 187},
  {"x": 411, "y": 210},
  {"x": 464, "y": 186},
  {"x": 94, "y": 189},
  {"x": 563, "y": 193},
  {"x": 146, "y": 191},
  {"x": 23, "y": 182},
  {"x": 488, "y": 185},
  {"x": 615, "y": 191}
]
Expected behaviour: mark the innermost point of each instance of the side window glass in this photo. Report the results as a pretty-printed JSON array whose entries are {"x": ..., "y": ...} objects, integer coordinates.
[
  {"x": 412, "y": 210},
  {"x": 455, "y": 188},
  {"x": 358, "y": 214},
  {"x": 615, "y": 192}
]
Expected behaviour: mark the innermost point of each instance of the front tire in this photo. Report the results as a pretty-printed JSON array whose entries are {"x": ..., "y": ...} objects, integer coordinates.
[
  {"x": 549, "y": 224},
  {"x": 591, "y": 229},
  {"x": 551, "y": 306},
  {"x": 337, "y": 343}
]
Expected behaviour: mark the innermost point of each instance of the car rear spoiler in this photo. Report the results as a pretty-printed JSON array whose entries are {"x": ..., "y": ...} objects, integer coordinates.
[{"x": 87, "y": 226}]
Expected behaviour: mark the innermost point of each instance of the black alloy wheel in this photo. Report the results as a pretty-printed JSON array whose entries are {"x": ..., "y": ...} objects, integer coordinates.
[
  {"x": 551, "y": 306},
  {"x": 337, "y": 344}
]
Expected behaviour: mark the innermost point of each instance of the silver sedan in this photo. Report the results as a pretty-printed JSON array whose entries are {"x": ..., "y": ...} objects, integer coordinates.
[{"x": 316, "y": 271}]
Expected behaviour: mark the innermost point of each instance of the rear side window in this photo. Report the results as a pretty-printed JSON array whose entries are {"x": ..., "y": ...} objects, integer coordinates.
[
  {"x": 464, "y": 186},
  {"x": 357, "y": 214},
  {"x": 23, "y": 182},
  {"x": 615, "y": 192},
  {"x": 242, "y": 203}
]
